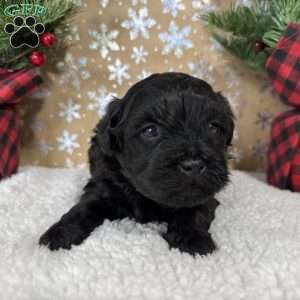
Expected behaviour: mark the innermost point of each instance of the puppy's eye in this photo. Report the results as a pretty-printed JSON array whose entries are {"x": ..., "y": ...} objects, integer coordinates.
[
  {"x": 215, "y": 128},
  {"x": 150, "y": 132}
]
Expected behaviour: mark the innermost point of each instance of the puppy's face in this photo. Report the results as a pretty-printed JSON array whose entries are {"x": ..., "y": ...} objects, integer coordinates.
[{"x": 171, "y": 133}]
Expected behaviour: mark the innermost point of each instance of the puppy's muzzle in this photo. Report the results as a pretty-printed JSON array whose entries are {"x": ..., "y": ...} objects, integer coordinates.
[{"x": 192, "y": 167}]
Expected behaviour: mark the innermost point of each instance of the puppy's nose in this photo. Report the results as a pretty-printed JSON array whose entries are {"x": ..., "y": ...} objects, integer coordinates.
[{"x": 192, "y": 167}]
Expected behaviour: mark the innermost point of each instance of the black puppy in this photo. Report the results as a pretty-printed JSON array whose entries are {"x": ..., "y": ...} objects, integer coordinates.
[{"x": 159, "y": 154}]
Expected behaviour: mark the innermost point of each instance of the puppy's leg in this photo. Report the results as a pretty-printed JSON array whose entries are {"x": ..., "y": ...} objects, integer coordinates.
[
  {"x": 188, "y": 230},
  {"x": 96, "y": 204}
]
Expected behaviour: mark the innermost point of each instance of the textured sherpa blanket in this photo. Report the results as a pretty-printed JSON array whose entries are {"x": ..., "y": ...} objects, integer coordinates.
[{"x": 257, "y": 229}]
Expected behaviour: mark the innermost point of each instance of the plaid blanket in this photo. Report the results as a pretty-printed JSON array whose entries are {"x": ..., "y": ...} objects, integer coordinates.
[
  {"x": 284, "y": 152},
  {"x": 283, "y": 66},
  {"x": 13, "y": 87}
]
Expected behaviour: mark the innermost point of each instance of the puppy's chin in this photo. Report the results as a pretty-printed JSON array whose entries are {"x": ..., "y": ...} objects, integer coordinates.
[
  {"x": 181, "y": 201},
  {"x": 173, "y": 198}
]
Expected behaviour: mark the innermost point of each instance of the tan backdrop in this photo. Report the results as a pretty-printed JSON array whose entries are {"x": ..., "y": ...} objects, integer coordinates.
[{"x": 116, "y": 43}]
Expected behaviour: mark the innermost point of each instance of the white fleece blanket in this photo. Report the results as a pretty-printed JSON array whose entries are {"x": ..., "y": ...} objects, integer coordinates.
[{"x": 257, "y": 229}]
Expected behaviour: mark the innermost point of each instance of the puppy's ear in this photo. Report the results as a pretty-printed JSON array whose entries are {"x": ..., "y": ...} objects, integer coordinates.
[
  {"x": 108, "y": 130},
  {"x": 230, "y": 131},
  {"x": 230, "y": 117}
]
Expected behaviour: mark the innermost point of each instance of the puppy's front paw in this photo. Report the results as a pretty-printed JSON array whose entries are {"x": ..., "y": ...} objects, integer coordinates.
[
  {"x": 190, "y": 243},
  {"x": 62, "y": 236}
]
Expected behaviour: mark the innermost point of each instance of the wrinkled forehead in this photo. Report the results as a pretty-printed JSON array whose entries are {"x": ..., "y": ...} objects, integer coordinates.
[{"x": 157, "y": 105}]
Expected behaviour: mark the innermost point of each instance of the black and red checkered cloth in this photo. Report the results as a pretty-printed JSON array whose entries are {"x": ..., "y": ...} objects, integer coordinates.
[
  {"x": 284, "y": 152},
  {"x": 13, "y": 87},
  {"x": 283, "y": 67}
]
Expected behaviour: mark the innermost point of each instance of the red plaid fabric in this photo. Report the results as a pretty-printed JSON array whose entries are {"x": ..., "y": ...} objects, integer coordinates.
[
  {"x": 283, "y": 66},
  {"x": 13, "y": 86},
  {"x": 284, "y": 152}
]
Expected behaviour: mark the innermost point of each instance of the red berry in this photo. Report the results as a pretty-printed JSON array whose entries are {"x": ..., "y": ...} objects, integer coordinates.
[
  {"x": 48, "y": 39},
  {"x": 37, "y": 58},
  {"x": 260, "y": 46}
]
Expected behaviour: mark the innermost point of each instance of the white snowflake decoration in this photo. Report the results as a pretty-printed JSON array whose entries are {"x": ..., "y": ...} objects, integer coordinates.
[
  {"x": 67, "y": 142},
  {"x": 78, "y": 2},
  {"x": 44, "y": 147},
  {"x": 100, "y": 100},
  {"x": 73, "y": 34},
  {"x": 73, "y": 71},
  {"x": 203, "y": 70},
  {"x": 69, "y": 163},
  {"x": 138, "y": 23},
  {"x": 104, "y": 3},
  {"x": 201, "y": 4},
  {"x": 176, "y": 39},
  {"x": 139, "y": 54},
  {"x": 144, "y": 74},
  {"x": 172, "y": 6},
  {"x": 202, "y": 7},
  {"x": 231, "y": 77},
  {"x": 37, "y": 126},
  {"x": 136, "y": 2},
  {"x": 69, "y": 111},
  {"x": 118, "y": 72},
  {"x": 104, "y": 40}
]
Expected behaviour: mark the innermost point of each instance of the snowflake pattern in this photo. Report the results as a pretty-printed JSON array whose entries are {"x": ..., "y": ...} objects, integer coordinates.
[
  {"x": 69, "y": 111},
  {"x": 73, "y": 71},
  {"x": 172, "y": 7},
  {"x": 44, "y": 147},
  {"x": 118, "y": 72},
  {"x": 264, "y": 119},
  {"x": 260, "y": 150},
  {"x": 37, "y": 125},
  {"x": 69, "y": 163},
  {"x": 79, "y": 2},
  {"x": 73, "y": 35},
  {"x": 176, "y": 39},
  {"x": 202, "y": 7},
  {"x": 104, "y": 3},
  {"x": 67, "y": 142},
  {"x": 118, "y": 43},
  {"x": 144, "y": 74},
  {"x": 203, "y": 70},
  {"x": 104, "y": 40},
  {"x": 139, "y": 54},
  {"x": 99, "y": 100},
  {"x": 234, "y": 98},
  {"x": 136, "y": 2},
  {"x": 231, "y": 77},
  {"x": 138, "y": 23}
]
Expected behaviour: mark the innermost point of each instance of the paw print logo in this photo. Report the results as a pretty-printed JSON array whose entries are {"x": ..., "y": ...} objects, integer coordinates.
[{"x": 24, "y": 32}]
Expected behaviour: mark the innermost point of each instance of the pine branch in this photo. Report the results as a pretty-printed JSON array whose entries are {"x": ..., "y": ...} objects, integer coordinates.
[
  {"x": 239, "y": 27},
  {"x": 57, "y": 19},
  {"x": 242, "y": 49},
  {"x": 241, "y": 20},
  {"x": 283, "y": 12}
]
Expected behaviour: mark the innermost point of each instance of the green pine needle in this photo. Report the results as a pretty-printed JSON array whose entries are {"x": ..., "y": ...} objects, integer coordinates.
[
  {"x": 239, "y": 27},
  {"x": 241, "y": 48}
]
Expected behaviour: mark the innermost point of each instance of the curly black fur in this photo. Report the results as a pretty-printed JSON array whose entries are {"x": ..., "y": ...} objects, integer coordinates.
[{"x": 159, "y": 154}]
